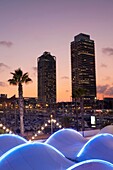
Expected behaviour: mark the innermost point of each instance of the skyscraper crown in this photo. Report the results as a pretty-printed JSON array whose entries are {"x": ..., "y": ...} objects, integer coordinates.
[{"x": 81, "y": 36}]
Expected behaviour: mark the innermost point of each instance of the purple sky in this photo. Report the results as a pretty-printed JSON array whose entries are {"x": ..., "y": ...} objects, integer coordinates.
[{"x": 30, "y": 27}]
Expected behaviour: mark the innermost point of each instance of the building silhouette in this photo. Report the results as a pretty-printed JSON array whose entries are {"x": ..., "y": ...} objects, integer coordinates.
[
  {"x": 46, "y": 78},
  {"x": 83, "y": 74}
]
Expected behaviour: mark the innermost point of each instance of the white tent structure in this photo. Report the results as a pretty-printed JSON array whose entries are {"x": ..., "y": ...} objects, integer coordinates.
[
  {"x": 8, "y": 141},
  {"x": 92, "y": 165},
  {"x": 67, "y": 141},
  {"x": 34, "y": 156},
  {"x": 107, "y": 129},
  {"x": 16, "y": 153},
  {"x": 98, "y": 147}
]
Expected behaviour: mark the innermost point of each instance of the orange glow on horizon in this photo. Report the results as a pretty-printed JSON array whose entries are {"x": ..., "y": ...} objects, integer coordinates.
[{"x": 31, "y": 91}]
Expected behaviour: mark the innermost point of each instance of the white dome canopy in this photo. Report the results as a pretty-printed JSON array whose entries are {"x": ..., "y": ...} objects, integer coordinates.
[
  {"x": 19, "y": 154},
  {"x": 67, "y": 141},
  {"x": 107, "y": 129},
  {"x": 99, "y": 147},
  {"x": 34, "y": 156},
  {"x": 92, "y": 165},
  {"x": 8, "y": 141}
]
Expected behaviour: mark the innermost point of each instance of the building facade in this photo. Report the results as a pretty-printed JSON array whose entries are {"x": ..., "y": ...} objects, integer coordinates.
[
  {"x": 83, "y": 73},
  {"x": 46, "y": 78}
]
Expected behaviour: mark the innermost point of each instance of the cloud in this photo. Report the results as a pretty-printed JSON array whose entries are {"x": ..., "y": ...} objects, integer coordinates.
[
  {"x": 108, "y": 51},
  {"x": 3, "y": 66},
  {"x": 102, "y": 89},
  {"x": 6, "y": 43},
  {"x": 65, "y": 77},
  {"x": 2, "y": 84},
  {"x": 105, "y": 89},
  {"x": 34, "y": 70},
  {"x": 109, "y": 91},
  {"x": 103, "y": 65},
  {"x": 67, "y": 91}
]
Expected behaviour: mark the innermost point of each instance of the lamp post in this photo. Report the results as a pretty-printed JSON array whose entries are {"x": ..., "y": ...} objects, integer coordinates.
[
  {"x": 51, "y": 123},
  {"x": 95, "y": 105}
]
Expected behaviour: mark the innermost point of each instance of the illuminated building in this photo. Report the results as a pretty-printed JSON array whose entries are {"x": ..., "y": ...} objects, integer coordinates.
[
  {"x": 46, "y": 78},
  {"x": 3, "y": 96},
  {"x": 83, "y": 74}
]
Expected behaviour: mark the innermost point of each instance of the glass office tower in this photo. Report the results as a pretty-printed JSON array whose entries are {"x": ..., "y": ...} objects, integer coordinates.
[
  {"x": 83, "y": 74},
  {"x": 46, "y": 78}
]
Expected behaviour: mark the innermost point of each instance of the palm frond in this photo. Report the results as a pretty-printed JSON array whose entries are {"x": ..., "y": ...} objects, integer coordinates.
[
  {"x": 13, "y": 73},
  {"x": 19, "y": 72},
  {"x": 25, "y": 78},
  {"x": 28, "y": 80},
  {"x": 12, "y": 82},
  {"x": 19, "y": 77}
]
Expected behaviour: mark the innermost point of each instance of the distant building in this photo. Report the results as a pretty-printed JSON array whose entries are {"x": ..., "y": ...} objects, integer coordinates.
[
  {"x": 46, "y": 78},
  {"x": 7, "y": 103},
  {"x": 108, "y": 103},
  {"x": 3, "y": 96},
  {"x": 83, "y": 74}
]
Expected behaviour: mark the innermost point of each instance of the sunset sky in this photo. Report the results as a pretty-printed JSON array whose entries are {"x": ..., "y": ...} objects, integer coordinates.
[{"x": 30, "y": 27}]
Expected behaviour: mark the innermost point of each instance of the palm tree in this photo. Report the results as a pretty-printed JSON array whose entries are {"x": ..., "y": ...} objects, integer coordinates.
[
  {"x": 75, "y": 96},
  {"x": 18, "y": 79},
  {"x": 78, "y": 94}
]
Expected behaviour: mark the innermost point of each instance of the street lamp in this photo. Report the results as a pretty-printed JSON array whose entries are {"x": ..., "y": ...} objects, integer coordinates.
[
  {"x": 95, "y": 105},
  {"x": 51, "y": 123}
]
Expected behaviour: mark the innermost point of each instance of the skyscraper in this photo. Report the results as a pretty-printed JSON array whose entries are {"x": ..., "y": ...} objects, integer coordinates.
[
  {"x": 83, "y": 74},
  {"x": 46, "y": 78}
]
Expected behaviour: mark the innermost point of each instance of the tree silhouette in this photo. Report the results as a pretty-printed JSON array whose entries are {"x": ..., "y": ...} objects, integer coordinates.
[
  {"x": 79, "y": 93},
  {"x": 18, "y": 79}
]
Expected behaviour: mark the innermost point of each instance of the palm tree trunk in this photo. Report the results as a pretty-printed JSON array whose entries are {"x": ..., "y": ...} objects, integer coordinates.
[
  {"x": 82, "y": 112},
  {"x": 76, "y": 108},
  {"x": 21, "y": 109}
]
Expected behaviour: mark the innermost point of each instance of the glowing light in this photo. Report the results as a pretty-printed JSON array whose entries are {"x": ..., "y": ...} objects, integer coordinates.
[
  {"x": 11, "y": 150},
  {"x": 4, "y": 127},
  {"x": 42, "y": 128},
  {"x": 90, "y": 161},
  {"x": 13, "y": 135},
  {"x": 27, "y": 145},
  {"x": 39, "y": 131},
  {"x": 50, "y": 121},
  {"x": 1, "y": 125},
  {"x": 57, "y": 124},
  {"x": 54, "y": 121},
  {"x": 60, "y": 126},
  {"x": 59, "y": 131},
  {"x": 7, "y": 130},
  {"x": 92, "y": 139},
  {"x": 33, "y": 137}
]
